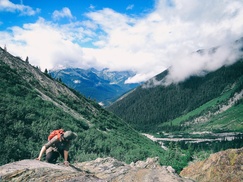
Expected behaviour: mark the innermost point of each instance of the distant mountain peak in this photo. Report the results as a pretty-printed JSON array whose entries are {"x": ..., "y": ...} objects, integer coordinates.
[{"x": 104, "y": 86}]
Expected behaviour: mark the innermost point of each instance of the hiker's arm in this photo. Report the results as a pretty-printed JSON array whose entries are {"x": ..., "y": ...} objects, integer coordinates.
[
  {"x": 66, "y": 158},
  {"x": 43, "y": 149},
  {"x": 46, "y": 146}
]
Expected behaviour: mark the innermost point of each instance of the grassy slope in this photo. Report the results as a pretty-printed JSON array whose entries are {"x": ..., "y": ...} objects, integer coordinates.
[{"x": 230, "y": 120}]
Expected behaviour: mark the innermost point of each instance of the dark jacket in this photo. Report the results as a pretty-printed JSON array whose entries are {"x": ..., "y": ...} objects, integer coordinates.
[{"x": 55, "y": 145}]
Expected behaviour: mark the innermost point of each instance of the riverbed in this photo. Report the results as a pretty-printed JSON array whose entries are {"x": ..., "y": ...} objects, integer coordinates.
[{"x": 214, "y": 137}]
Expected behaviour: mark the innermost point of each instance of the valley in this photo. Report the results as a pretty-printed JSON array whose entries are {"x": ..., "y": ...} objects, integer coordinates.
[
  {"x": 212, "y": 103},
  {"x": 34, "y": 103},
  {"x": 197, "y": 145},
  {"x": 143, "y": 91}
]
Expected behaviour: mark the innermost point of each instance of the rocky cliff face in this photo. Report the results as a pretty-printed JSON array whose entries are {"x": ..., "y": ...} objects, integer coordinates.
[
  {"x": 101, "y": 169},
  {"x": 222, "y": 166}
]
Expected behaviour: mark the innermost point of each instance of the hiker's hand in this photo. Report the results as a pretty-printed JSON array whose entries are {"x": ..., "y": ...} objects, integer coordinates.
[
  {"x": 66, "y": 163},
  {"x": 38, "y": 159}
]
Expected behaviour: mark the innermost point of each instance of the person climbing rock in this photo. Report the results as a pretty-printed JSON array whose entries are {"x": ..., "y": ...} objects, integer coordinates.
[{"x": 58, "y": 144}]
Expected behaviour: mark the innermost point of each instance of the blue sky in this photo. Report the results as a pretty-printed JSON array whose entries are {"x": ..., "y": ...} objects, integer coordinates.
[
  {"x": 31, "y": 10},
  {"x": 146, "y": 36}
]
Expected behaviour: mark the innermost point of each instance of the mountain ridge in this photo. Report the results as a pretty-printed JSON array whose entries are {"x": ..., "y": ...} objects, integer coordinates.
[
  {"x": 149, "y": 107},
  {"x": 33, "y": 104},
  {"x": 104, "y": 86}
]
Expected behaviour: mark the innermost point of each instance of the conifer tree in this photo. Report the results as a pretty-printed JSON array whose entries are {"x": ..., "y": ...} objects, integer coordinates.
[
  {"x": 27, "y": 60},
  {"x": 46, "y": 71}
]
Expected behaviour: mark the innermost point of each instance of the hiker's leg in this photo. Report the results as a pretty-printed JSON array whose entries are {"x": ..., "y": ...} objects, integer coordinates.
[{"x": 52, "y": 156}]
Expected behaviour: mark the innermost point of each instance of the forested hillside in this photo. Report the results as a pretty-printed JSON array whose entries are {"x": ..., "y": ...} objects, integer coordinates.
[
  {"x": 153, "y": 109},
  {"x": 32, "y": 104}
]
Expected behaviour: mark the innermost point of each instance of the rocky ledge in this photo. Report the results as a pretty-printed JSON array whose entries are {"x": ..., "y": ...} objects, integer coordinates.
[
  {"x": 101, "y": 169},
  {"x": 219, "y": 167}
]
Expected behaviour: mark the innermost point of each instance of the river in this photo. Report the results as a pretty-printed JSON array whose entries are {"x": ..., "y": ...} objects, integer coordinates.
[{"x": 214, "y": 137}]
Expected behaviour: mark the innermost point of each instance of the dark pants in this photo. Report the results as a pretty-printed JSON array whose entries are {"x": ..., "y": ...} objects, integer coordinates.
[{"x": 52, "y": 156}]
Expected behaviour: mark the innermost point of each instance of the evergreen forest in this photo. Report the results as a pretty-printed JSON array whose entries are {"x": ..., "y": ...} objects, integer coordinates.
[{"x": 168, "y": 108}]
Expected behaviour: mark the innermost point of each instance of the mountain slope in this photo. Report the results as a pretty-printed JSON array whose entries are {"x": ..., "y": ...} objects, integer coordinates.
[
  {"x": 157, "y": 108},
  {"x": 32, "y": 104},
  {"x": 103, "y": 86}
]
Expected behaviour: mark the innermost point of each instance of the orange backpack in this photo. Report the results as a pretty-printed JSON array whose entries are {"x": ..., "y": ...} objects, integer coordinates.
[{"x": 56, "y": 132}]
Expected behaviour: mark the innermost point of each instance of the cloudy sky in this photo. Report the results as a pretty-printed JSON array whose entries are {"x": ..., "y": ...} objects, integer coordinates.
[{"x": 146, "y": 36}]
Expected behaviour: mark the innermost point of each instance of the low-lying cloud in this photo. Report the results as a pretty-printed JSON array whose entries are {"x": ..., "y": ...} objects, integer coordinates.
[
  {"x": 199, "y": 63},
  {"x": 202, "y": 62}
]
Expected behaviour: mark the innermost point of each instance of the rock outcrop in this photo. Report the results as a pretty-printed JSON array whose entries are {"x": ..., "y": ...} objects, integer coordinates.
[
  {"x": 34, "y": 170},
  {"x": 219, "y": 167},
  {"x": 101, "y": 169},
  {"x": 141, "y": 171}
]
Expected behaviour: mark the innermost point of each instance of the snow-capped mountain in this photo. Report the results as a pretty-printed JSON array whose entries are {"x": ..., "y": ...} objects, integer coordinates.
[{"x": 104, "y": 86}]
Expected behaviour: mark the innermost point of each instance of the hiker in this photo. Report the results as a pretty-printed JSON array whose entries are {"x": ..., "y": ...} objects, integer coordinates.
[{"x": 57, "y": 145}]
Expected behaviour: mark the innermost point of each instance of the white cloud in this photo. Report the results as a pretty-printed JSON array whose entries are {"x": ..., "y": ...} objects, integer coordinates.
[
  {"x": 6, "y": 5},
  {"x": 198, "y": 64},
  {"x": 91, "y": 6},
  {"x": 46, "y": 45},
  {"x": 165, "y": 37},
  {"x": 64, "y": 13},
  {"x": 169, "y": 35},
  {"x": 130, "y": 7}
]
